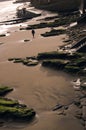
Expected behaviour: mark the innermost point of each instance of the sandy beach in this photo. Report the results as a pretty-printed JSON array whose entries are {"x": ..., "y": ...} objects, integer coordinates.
[{"x": 38, "y": 87}]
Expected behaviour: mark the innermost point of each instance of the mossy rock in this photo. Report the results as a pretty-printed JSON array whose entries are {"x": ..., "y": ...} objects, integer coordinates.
[
  {"x": 28, "y": 61},
  {"x": 62, "y": 20},
  {"x": 32, "y": 63},
  {"x": 57, "y": 64},
  {"x": 10, "y": 59},
  {"x": 17, "y": 60},
  {"x": 58, "y": 55},
  {"x": 25, "y": 61},
  {"x": 8, "y": 102},
  {"x": 53, "y": 33},
  {"x": 4, "y": 90},
  {"x": 11, "y": 109},
  {"x": 51, "y": 55},
  {"x": 31, "y": 57},
  {"x": 72, "y": 69},
  {"x": 16, "y": 113},
  {"x": 81, "y": 62},
  {"x": 36, "y": 26}
]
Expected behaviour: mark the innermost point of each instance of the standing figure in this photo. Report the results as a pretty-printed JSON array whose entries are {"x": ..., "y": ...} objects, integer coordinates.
[{"x": 33, "y": 32}]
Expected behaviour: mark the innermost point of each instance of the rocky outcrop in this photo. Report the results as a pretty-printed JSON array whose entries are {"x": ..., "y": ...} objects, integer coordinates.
[
  {"x": 12, "y": 109},
  {"x": 4, "y": 90},
  {"x": 28, "y": 61}
]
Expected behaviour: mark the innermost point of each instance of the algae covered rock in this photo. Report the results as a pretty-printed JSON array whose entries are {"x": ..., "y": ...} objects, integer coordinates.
[
  {"x": 57, "y": 64},
  {"x": 12, "y": 109},
  {"x": 72, "y": 69},
  {"x": 28, "y": 61},
  {"x": 16, "y": 113},
  {"x": 4, "y": 90},
  {"x": 53, "y": 32}
]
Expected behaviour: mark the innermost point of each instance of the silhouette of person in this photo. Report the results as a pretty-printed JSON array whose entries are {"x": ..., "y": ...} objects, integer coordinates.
[{"x": 33, "y": 32}]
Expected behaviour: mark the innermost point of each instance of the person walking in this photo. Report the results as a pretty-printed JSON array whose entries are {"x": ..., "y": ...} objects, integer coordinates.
[{"x": 33, "y": 32}]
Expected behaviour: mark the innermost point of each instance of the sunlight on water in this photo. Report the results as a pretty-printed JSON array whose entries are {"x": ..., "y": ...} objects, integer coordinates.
[{"x": 7, "y": 10}]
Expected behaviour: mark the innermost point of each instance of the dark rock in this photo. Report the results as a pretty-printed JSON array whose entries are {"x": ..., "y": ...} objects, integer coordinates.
[
  {"x": 32, "y": 63},
  {"x": 32, "y": 57},
  {"x": 84, "y": 113},
  {"x": 78, "y": 115},
  {"x": 58, "y": 106},
  {"x": 82, "y": 19},
  {"x": 77, "y": 102},
  {"x": 53, "y": 32},
  {"x": 66, "y": 107},
  {"x": 26, "y": 40},
  {"x": 4, "y": 90},
  {"x": 83, "y": 101},
  {"x": 2, "y": 35}
]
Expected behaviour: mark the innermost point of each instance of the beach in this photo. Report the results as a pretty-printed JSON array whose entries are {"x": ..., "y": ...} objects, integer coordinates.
[{"x": 36, "y": 86}]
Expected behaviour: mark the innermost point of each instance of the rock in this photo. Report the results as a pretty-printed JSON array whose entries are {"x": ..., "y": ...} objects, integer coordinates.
[
  {"x": 32, "y": 63},
  {"x": 12, "y": 109},
  {"x": 61, "y": 113},
  {"x": 26, "y": 40},
  {"x": 83, "y": 102},
  {"x": 82, "y": 19},
  {"x": 11, "y": 59},
  {"x": 4, "y": 90},
  {"x": 78, "y": 114},
  {"x": 66, "y": 107},
  {"x": 17, "y": 60},
  {"x": 84, "y": 113},
  {"x": 77, "y": 102},
  {"x": 32, "y": 57},
  {"x": 2, "y": 35},
  {"x": 1, "y": 43},
  {"x": 58, "y": 106},
  {"x": 68, "y": 40}
]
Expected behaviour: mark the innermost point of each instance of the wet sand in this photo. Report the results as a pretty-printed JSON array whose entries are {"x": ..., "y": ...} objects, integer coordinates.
[{"x": 38, "y": 87}]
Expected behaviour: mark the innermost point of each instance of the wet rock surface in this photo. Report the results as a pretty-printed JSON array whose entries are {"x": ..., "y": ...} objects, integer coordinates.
[
  {"x": 12, "y": 109},
  {"x": 28, "y": 61}
]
